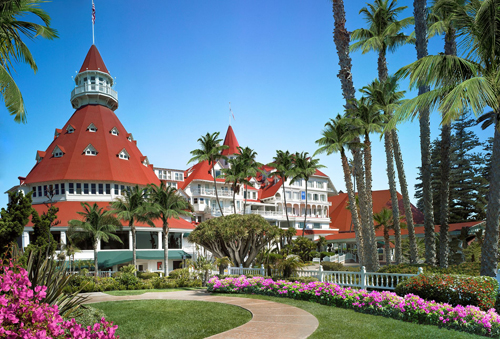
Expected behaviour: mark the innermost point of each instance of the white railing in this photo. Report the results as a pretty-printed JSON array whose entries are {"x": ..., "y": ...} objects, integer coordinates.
[
  {"x": 282, "y": 214},
  {"x": 361, "y": 279},
  {"x": 94, "y": 88},
  {"x": 211, "y": 192},
  {"x": 335, "y": 258}
]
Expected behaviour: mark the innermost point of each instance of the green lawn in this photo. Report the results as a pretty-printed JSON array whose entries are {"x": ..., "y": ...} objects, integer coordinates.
[
  {"x": 137, "y": 292},
  {"x": 172, "y": 318},
  {"x": 341, "y": 323}
]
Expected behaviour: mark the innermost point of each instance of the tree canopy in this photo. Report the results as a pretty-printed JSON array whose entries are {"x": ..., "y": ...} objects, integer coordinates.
[{"x": 14, "y": 218}]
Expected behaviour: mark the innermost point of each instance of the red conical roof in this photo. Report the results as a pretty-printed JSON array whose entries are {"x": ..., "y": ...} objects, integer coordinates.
[
  {"x": 231, "y": 141},
  {"x": 93, "y": 61},
  {"x": 106, "y": 165}
]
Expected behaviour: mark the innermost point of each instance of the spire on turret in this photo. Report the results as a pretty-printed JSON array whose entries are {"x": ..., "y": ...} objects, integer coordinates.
[
  {"x": 231, "y": 141},
  {"x": 94, "y": 83}
]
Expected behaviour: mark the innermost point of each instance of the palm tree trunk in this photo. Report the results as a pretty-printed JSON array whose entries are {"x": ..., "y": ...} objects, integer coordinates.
[
  {"x": 489, "y": 252},
  {"x": 215, "y": 186},
  {"x": 387, "y": 246},
  {"x": 165, "y": 249},
  {"x": 406, "y": 199},
  {"x": 419, "y": 12},
  {"x": 354, "y": 209},
  {"x": 134, "y": 246},
  {"x": 305, "y": 214},
  {"x": 284, "y": 199},
  {"x": 360, "y": 178},
  {"x": 96, "y": 267},
  {"x": 444, "y": 238},
  {"x": 394, "y": 195},
  {"x": 383, "y": 73},
  {"x": 234, "y": 199},
  {"x": 245, "y": 203},
  {"x": 370, "y": 229}
]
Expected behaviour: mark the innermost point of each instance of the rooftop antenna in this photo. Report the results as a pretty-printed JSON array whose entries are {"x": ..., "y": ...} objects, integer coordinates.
[
  {"x": 230, "y": 114},
  {"x": 93, "y": 22}
]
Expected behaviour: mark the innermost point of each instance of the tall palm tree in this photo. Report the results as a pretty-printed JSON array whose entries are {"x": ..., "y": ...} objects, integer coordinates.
[
  {"x": 385, "y": 219},
  {"x": 97, "y": 225},
  {"x": 70, "y": 249},
  {"x": 133, "y": 207},
  {"x": 462, "y": 82},
  {"x": 283, "y": 164},
  {"x": 442, "y": 21},
  {"x": 210, "y": 150},
  {"x": 336, "y": 137},
  {"x": 234, "y": 174},
  {"x": 419, "y": 13},
  {"x": 14, "y": 50},
  {"x": 386, "y": 97},
  {"x": 167, "y": 205},
  {"x": 385, "y": 34},
  {"x": 251, "y": 168},
  {"x": 304, "y": 168},
  {"x": 369, "y": 120}
]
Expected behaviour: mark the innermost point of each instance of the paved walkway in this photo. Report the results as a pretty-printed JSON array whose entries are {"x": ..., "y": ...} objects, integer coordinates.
[{"x": 269, "y": 319}]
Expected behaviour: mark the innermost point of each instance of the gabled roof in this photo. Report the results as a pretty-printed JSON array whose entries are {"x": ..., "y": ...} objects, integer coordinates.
[
  {"x": 200, "y": 171},
  {"x": 60, "y": 148},
  {"x": 270, "y": 190},
  {"x": 230, "y": 140},
  {"x": 40, "y": 154},
  {"x": 93, "y": 61},
  {"x": 105, "y": 167}
]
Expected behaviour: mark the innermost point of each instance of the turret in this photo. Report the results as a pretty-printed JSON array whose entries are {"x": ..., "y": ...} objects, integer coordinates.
[{"x": 94, "y": 83}]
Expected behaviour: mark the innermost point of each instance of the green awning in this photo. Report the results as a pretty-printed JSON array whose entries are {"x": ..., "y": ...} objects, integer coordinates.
[{"x": 111, "y": 258}]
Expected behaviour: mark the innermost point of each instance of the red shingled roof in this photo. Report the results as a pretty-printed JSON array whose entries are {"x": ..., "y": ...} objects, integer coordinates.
[
  {"x": 270, "y": 190},
  {"x": 68, "y": 210},
  {"x": 93, "y": 61},
  {"x": 105, "y": 166},
  {"x": 231, "y": 141}
]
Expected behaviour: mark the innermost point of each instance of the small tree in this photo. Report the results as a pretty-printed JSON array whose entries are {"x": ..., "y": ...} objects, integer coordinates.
[
  {"x": 43, "y": 239},
  {"x": 303, "y": 248},
  {"x": 290, "y": 265},
  {"x": 239, "y": 237},
  {"x": 283, "y": 164},
  {"x": 385, "y": 219},
  {"x": 14, "y": 218}
]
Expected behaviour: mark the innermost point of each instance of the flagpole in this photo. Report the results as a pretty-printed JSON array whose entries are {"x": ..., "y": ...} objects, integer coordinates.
[
  {"x": 229, "y": 113},
  {"x": 93, "y": 21}
]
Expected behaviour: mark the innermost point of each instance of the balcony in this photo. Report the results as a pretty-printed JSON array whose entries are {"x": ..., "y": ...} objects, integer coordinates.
[
  {"x": 92, "y": 94},
  {"x": 211, "y": 192}
]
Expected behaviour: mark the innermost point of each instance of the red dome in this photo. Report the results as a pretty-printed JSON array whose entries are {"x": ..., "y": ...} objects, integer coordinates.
[{"x": 106, "y": 165}]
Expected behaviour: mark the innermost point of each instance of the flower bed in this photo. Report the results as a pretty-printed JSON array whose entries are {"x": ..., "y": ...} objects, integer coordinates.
[
  {"x": 23, "y": 315},
  {"x": 409, "y": 308}
]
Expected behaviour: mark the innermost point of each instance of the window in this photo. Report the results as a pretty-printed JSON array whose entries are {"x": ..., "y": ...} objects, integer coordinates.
[
  {"x": 70, "y": 129},
  {"x": 56, "y": 189},
  {"x": 288, "y": 194},
  {"x": 71, "y": 188},
  {"x": 44, "y": 190},
  {"x": 201, "y": 200},
  {"x": 195, "y": 200},
  {"x": 317, "y": 225},
  {"x": 310, "y": 184},
  {"x": 39, "y": 191},
  {"x": 122, "y": 189},
  {"x": 147, "y": 240},
  {"x": 93, "y": 189},
  {"x": 123, "y": 155},
  {"x": 181, "y": 176},
  {"x": 296, "y": 196},
  {"x": 308, "y": 196},
  {"x": 115, "y": 244},
  {"x": 63, "y": 188},
  {"x": 315, "y": 197},
  {"x": 33, "y": 189},
  {"x": 114, "y": 131},
  {"x": 108, "y": 188},
  {"x": 254, "y": 195},
  {"x": 101, "y": 189},
  {"x": 78, "y": 188},
  {"x": 217, "y": 173},
  {"x": 90, "y": 150},
  {"x": 176, "y": 176},
  {"x": 58, "y": 154},
  {"x": 116, "y": 189},
  {"x": 174, "y": 240},
  {"x": 319, "y": 184},
  {"x": 92, "y": 128},
  {"x": 322, "y": 197},
  {"x": 85, "y": 188}
]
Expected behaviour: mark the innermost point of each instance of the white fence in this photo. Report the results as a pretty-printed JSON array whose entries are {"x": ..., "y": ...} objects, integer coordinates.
[{"x": 361, "y": 279}]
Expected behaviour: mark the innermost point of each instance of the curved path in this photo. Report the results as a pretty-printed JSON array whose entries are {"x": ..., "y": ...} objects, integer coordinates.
[{"x": 269, "y": 319}]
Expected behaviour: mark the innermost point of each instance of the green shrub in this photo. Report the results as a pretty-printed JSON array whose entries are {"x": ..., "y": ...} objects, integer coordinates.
[
  {"x": 180, "y": 273},
  {"x": 128, "y": 269},
  {"x": 128, "y": 279},
  {"x": 326, "y": 254},
  {"x": 314, "y": 254},
  {"x": 333, "y": 266},
  {"x": 466, "y": 268},
  {"x": 147, "y": 275},
  {"x": 161, "y": 283},
  {"x": 88, "y": 316},
  {"x": 453, "y": 289},
  {"x": 304, "y": 280}
]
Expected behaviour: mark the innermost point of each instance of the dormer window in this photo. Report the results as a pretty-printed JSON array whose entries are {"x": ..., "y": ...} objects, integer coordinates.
[
  {"x": 57, "y": 133},
  {"x": 39, "y": 156},
  {"x": 90, "y": 150},
  {"x": 130, "y": 137},
  {"x": 58, "y": 151},
  {"x": 70, "y": 129},
  {"x": 114, "y": 131},
  {"x": 123, "y": 155},
  {"x": 145, "y": 161},
  {"x": 92, "y": 128}
]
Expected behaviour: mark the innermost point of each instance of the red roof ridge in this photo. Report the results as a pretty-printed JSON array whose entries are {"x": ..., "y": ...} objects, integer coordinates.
[{"x": 93, "y": 61}]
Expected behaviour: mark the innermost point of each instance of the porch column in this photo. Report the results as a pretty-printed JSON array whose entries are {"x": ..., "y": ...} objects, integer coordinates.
[
  {"x": 160, "y": 240},
  {"x": 25, "y": 239},
  {"x": 63, "y": 237},
  {"x": 130, "y": 242}
]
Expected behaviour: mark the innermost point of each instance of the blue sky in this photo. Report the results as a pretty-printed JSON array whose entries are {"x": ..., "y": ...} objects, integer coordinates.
[{"x": 177, "y": 65}]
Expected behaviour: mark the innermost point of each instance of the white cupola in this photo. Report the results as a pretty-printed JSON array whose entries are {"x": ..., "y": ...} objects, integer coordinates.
[{"x": 94, "y": 83}]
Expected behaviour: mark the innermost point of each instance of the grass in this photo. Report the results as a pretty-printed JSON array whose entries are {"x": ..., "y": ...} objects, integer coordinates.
[
  {"x": 137, "y": 292},
  {"x": 172, "y": 318},
  {"x": 337, "y": 322}
]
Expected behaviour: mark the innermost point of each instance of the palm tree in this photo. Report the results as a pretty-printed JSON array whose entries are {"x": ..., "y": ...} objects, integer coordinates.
[
  {"x": 384, "y": 34},
  {"x": 210, "y": 150},
  {"x": 14, "y": 50},
  {"x": 442, "y": 21},
  {"x": 384, "y": 219},
  {"x": 283, "y": 165},
  {"x": 369, "y": 120},
  {"x": 70, "y": 249},
  {"x": 97, "y": 225},
  {"x": 133, "y": 207},
  {"x": 234, "y": 174},
  {"x": 337, "y": 137},
  {"x": 251, "y": 168},
  {"x": 460, "y": 82},
  {"x": 386, "y": 97},
  {"x": 304, "y": 167},
  {"x": 167, "y": 205}
]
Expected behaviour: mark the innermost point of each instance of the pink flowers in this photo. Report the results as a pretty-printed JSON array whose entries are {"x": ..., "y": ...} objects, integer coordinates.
[
  {"x": 23, "y": 315},
  {"x": 410, "y": 308}
]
